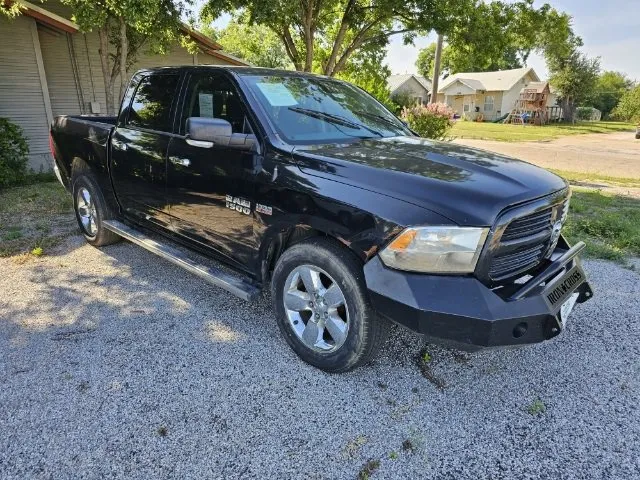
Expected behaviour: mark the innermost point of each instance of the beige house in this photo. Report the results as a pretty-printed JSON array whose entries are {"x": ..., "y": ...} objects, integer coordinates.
[
  {"x": 416, "y": 87},
  {"x": 48, "y": 68},
  {"x": 488, "y": 94}
]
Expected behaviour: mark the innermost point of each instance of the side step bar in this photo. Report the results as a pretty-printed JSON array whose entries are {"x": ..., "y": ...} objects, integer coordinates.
[{"x": 212, "y": 275}]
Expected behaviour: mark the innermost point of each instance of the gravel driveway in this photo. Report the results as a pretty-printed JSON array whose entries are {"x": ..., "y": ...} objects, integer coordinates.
[{"x": 117, "y": 364}]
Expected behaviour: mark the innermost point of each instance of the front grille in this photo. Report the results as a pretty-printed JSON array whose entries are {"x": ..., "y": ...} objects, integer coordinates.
[
  {"x": 521, "y": 239},
  {"x": 528, "y": 225},
  {"x": 512, "y": 264}
]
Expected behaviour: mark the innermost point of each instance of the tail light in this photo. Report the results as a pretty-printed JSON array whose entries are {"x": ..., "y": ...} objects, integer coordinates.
[{"x": 52, "y": 147}]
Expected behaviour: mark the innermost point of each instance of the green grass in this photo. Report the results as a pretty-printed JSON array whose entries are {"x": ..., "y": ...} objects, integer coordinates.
[
  {"x": 30, "y": 218},
  {"x": 536, "y": 407},
  {"x": 574, "y": 177},
  {"x": 36, "y": 198},
  {"x": 608, "y": 224},
  {"x": 531, "y": 133}
]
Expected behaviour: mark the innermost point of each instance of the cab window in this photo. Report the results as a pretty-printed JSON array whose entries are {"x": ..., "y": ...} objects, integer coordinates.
[
  {"x": 151, "y": 104},
  {"x": 213, "y": 96}
]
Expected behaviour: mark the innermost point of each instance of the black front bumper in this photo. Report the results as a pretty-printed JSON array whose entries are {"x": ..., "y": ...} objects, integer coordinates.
[{"x": 463, "y": 312}]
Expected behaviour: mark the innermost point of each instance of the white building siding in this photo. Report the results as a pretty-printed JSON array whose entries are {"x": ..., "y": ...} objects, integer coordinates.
[
  {"x": 510, "y": 96},
  {"x": 63, "y": 89},
  {"x": 21, "y": 96}
]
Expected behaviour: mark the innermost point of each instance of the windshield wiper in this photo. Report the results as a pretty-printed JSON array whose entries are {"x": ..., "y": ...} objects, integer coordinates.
[
  {"x": 379, "y": 117},
  {"x": 335, "y": 119}
]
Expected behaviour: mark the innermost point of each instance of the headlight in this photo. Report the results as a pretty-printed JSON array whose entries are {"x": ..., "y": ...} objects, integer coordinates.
[{"x": 436, "y": 249}]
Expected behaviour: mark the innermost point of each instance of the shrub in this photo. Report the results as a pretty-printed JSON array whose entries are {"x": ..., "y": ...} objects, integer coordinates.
[
  {"x": 13, "y": 153},
  {"x": 628, "y": 109},
  {"x": 429, "y": 121}
]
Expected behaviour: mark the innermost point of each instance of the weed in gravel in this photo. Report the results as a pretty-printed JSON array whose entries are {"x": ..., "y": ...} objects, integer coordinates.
[
  {"x": 37, "y": 252},
  {"x": 537, "y": 407},
  {"x": 393, "y": 455},
  {"x": 83, "y": 386},
  {"x": 353, "y": 447},
  {"x": 163, "y": 431},
  {"x": 424, "y": 361},
  {"x": 382, "y": 386},
  {"x": 368, "y": 468},
  {"x": 408, "y": 446}
]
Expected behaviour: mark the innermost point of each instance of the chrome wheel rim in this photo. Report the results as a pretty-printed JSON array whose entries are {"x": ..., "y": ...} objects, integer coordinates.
[
  {"x": 316, "y": 309},
  {"x": 86, "y": 211}
]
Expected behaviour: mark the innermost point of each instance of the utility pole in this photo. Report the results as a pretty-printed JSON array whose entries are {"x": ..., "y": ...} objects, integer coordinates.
[{"x": 436, "y": 70}]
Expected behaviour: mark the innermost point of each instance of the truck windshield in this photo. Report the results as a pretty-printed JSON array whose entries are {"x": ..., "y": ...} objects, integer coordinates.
[{"x": 307, "y": 109}]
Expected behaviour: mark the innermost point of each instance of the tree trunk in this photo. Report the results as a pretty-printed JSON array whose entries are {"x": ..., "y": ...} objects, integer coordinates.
[
  {"x": 290, "y": 47},
  {"x": 309, "y": 33},
  {"x": 124, "y": 51},
  {"x": 567, "y": 109},
  {"x": 436, "y": 70},
  {"x": 337, "y": 44},
  {"x": 103, "y": 35}
]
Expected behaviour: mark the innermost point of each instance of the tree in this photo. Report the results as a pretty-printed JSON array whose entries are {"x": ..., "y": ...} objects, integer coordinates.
[
  {"x": 574, "y": 78},
  {"x": 341, "y": 28},
  {"x": 11, "y": 8},
  {"x": 498, "y": 36},
  {"x": 125, "y": 28},
  {"x": 628, "y": 109},
  {"x": 609, "y": 89},
  {"x": 257, "y": 44},
  {"x": 367, "y": 70}
]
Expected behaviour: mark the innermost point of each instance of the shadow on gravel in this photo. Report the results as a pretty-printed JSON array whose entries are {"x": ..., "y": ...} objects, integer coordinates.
[{"x": 151, "y": 372}]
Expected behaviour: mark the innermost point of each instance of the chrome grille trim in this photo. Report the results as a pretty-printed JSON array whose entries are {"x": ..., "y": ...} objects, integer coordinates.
[{"x": 520, "y": 239}]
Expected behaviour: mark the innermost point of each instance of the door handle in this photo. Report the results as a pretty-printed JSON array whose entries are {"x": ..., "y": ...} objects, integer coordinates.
[
  {"x": 185, "y": 162},
  {"x": 120, "y": 145}
]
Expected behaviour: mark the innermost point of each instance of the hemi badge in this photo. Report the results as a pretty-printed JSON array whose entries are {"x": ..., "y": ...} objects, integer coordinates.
[{"x": 264, "y": 209}]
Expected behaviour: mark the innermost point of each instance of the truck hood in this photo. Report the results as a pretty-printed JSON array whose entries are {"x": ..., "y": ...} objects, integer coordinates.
[{"x": 466, "y": 185}]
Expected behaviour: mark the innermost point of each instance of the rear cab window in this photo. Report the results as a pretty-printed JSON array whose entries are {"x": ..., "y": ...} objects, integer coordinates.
[{"x": 151, "y": 104}]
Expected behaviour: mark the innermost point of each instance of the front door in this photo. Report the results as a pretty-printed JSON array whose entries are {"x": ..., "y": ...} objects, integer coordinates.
[
  {"x": 211, "y": 188},
  {"x": 139, "y": 149}
]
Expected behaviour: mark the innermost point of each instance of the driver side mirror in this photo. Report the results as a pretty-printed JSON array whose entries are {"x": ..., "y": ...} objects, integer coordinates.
[{"x": 206, "y": 132}]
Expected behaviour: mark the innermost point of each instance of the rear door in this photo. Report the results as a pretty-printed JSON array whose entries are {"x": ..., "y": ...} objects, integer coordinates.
[
  {"x": 211, "y": 189},
  {"x": 139, "y": 147}
]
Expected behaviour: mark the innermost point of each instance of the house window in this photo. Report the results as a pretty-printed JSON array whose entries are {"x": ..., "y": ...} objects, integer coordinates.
[
  {"x": 418, "y": 100},
  {"x": 466, "y": 108},
  {"x": 488, "y": 103}
]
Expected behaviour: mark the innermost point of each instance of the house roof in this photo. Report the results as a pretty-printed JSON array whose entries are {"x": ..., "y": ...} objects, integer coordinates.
[
  {"x": 538, "y": 87},
  {"x": 396, "y": 81},
  {"x": 500, "y": 80},
  {"x": 206, "y": 44}
]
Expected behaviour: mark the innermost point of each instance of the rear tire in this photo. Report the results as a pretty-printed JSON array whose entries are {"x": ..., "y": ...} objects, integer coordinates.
[
  {"x": 322, "y": 306},
  {"x": 92, "y": 210}
]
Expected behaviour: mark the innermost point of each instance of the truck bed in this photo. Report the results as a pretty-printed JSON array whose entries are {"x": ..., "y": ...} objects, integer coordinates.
[{"x": 85, "y": 137}]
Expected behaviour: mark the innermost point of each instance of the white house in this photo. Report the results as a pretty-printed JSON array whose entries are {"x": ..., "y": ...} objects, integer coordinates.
[
  {"x": 490, "y": 94},
  {"x": 416, "y": 87},
  {"x": 48, "y": 68}
]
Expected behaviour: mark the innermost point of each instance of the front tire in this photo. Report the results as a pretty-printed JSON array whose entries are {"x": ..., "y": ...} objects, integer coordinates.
[
  {"x": 91, "y": 211},
  {"x": 322, "y": 307}
]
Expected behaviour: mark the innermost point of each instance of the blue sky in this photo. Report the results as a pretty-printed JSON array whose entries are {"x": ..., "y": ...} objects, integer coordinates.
[{"x": 609, "y": 29}]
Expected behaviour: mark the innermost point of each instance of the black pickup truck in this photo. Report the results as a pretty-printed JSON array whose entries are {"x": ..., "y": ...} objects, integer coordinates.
[{"x": 311, "y": 186}]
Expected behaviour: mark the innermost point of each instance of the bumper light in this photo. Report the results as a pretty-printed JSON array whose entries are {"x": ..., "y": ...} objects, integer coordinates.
[{"x": 436, "y": 249}]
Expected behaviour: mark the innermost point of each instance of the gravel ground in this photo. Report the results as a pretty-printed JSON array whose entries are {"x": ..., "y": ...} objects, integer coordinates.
[{"x": 116, "y": 364}]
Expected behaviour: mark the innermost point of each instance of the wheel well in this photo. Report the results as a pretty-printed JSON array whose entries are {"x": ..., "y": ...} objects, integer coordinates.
[
  {"x": 78, "y": 166},
  {"x": 286, "y": 240}
]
